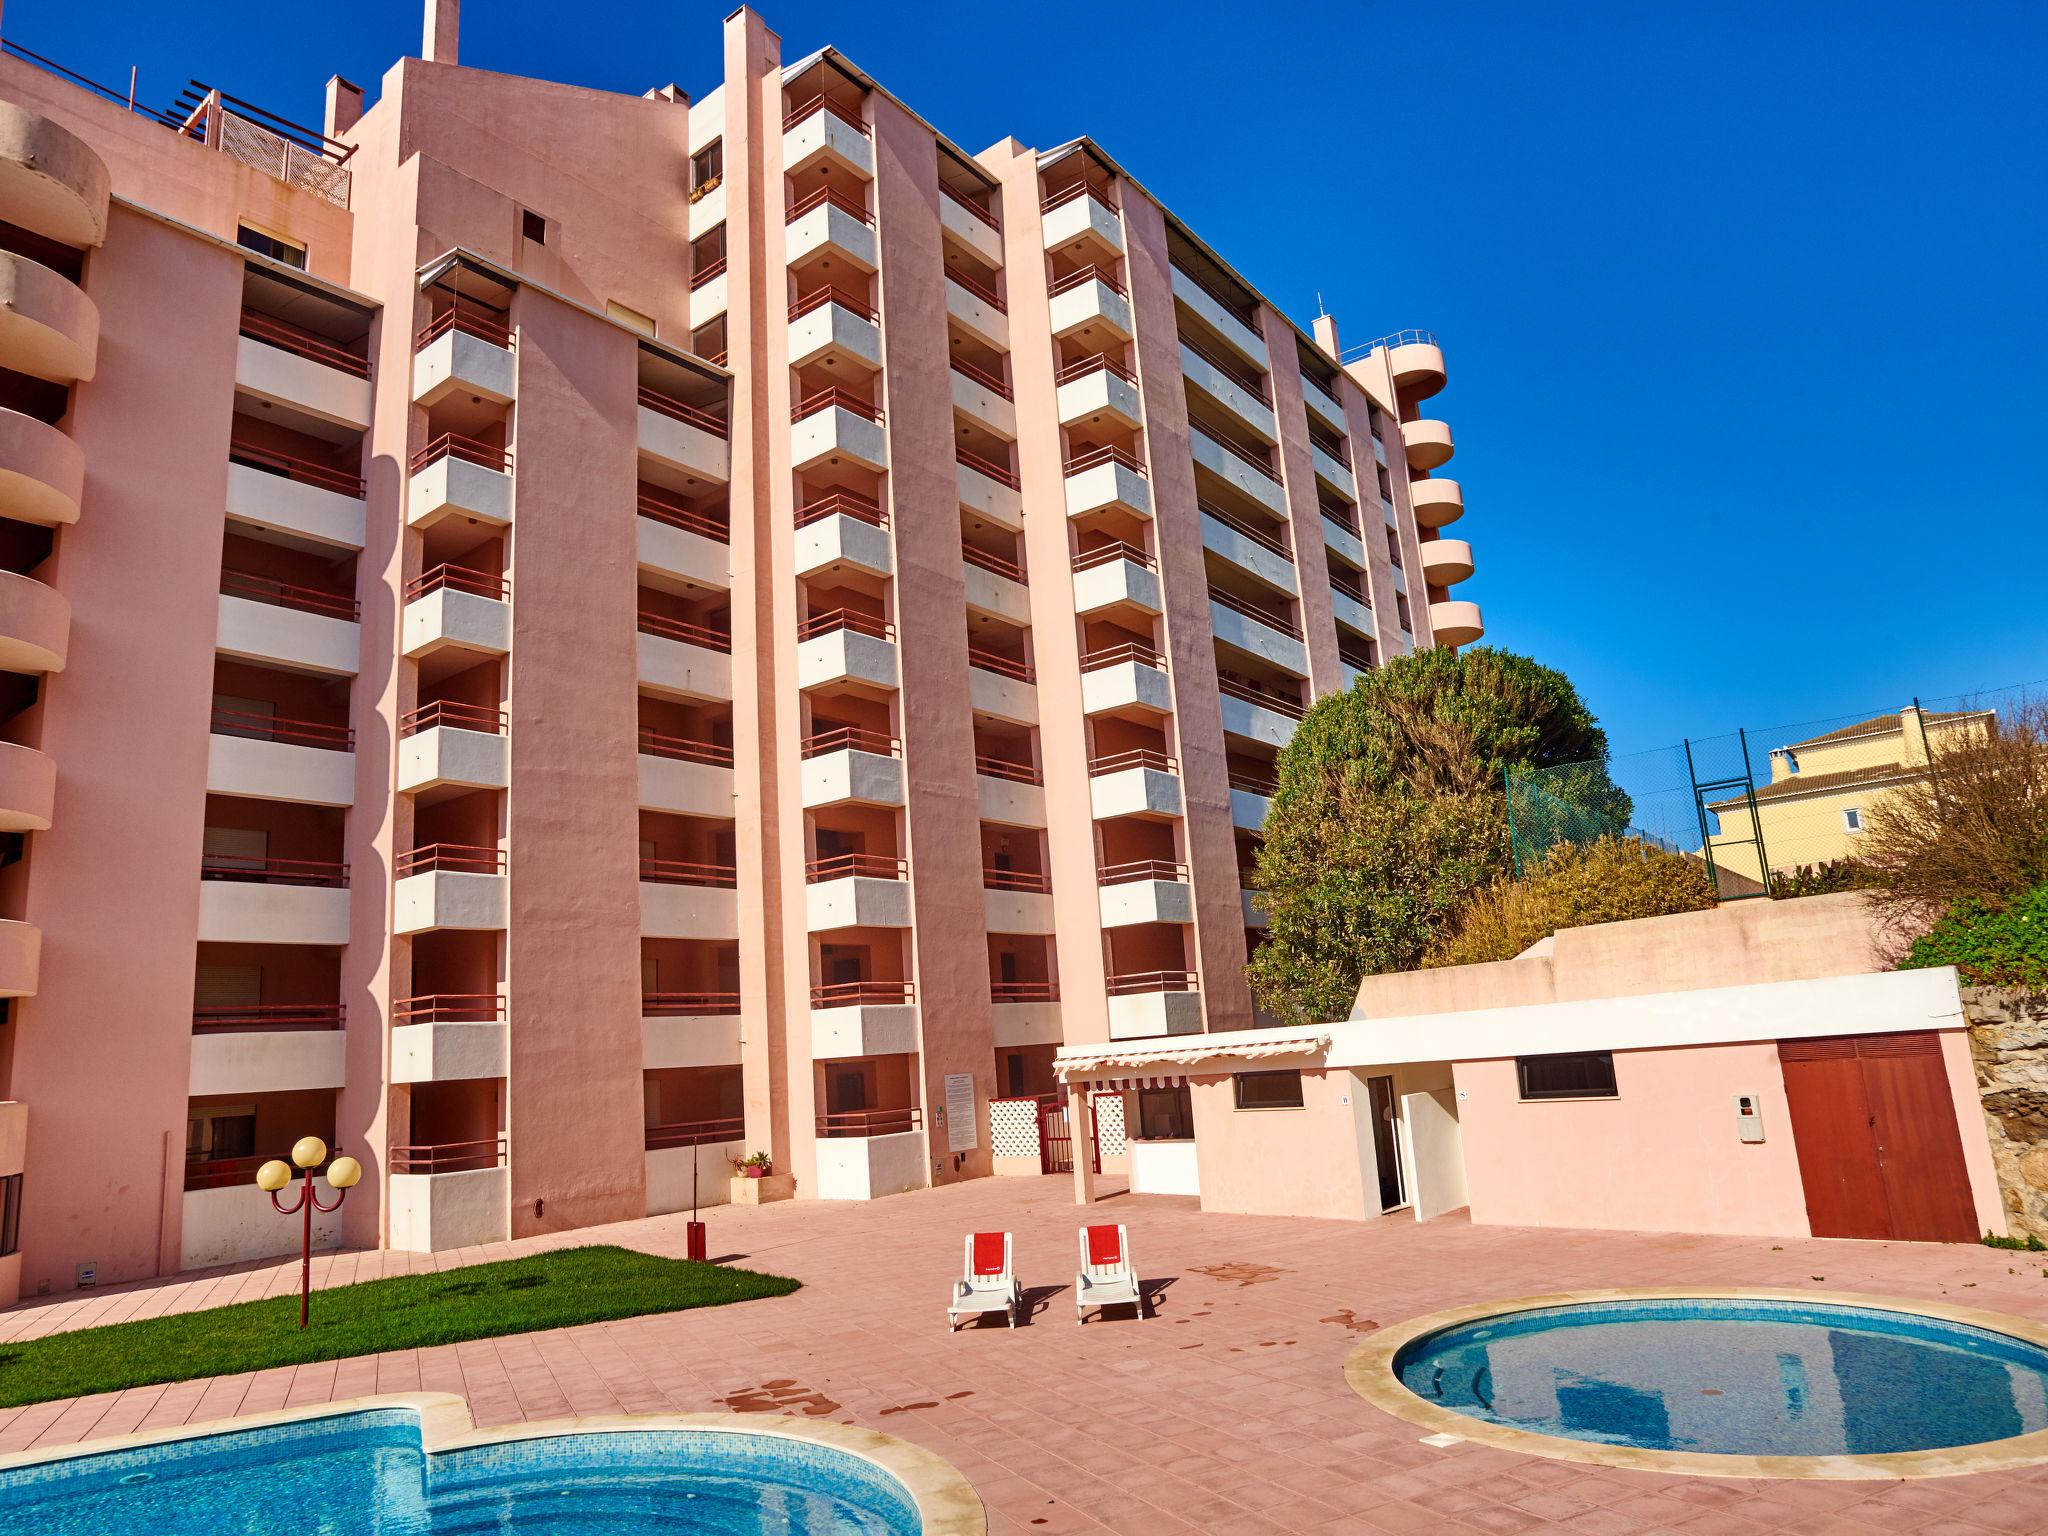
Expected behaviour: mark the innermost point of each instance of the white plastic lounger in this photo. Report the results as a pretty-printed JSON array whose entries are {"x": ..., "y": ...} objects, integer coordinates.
[
  {"x": 988, "y": 1282},
  {"x": 1107, "y": 1277}
]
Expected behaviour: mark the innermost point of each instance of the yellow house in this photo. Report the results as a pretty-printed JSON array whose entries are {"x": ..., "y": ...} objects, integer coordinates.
[{"x": 1818, "y": 800}]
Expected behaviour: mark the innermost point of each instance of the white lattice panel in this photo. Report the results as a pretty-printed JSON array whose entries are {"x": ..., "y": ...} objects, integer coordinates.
[
  {"x": 1109, "y": 1124},
  {"x": 1013, "y": 1127}
]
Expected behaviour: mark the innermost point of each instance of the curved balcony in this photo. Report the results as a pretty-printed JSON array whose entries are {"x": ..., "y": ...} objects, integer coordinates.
[
  {"x": 1437, "y": 503},
  {"x": 51, "y": 181},
  {"x": 1456, "y": 623},
  {"x": 28, "y": 785},
  {"x": 1445, "y": 561},
  {"x": 35, "y": 625},
  {"x": 1428, "y": 443},
  {"x": 48, "y": 327},
  {"x": 21, "y": 954},
  {"x": 1417, "y": 364},
  {"x": 42, "y": 471}
]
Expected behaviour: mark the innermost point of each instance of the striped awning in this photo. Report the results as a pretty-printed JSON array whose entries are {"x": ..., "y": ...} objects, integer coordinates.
[
  {"x": 1120, "y": 1084},
  {"x": 1137, "y": 1066}
]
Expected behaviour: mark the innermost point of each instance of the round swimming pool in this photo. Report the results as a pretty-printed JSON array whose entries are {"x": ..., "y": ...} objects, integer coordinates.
[{"x": 1734, "y": 1377}]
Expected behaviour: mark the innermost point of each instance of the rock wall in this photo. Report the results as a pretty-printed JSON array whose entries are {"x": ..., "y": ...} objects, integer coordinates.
[{"x": 2009, "y": 1043}]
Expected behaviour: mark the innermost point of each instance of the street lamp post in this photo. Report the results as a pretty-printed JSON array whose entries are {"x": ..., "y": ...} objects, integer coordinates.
[{"x": 309, "y": 1153}]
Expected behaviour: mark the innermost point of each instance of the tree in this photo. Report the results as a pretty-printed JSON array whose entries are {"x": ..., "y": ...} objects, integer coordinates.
[{"x": 1390, "y": 813}]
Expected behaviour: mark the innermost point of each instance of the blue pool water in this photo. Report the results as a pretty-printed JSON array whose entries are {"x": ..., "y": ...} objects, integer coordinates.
[
  {"x": 364, "y": 1474},
  {"x": 1750, "y": 1378}
]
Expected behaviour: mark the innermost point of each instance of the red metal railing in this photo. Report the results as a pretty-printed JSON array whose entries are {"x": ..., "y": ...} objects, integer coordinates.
[
  {"x": 851, "y": 738},
  {"x": 221, "y": 1172},
  {"x": 1350, "y": 586},
  {"x": 1241, "y": 454},
  {"x": 1235, "y": 372},
  {"x": 1280, "y": 704},
  {"x": 1023, "y": 992},
  {"x": 457, "y": 578},
  {"x": 1004, "y": 768},
  {"x": 842, "y": 504},
  {"x": 1243, "y": 310},
  {"x": 695, "y": 1133},
  {"x": 1339, "y": 453},
  {"x": 1150, "y": 981},
  {"x": 449, "y": 1008},
  {"x": 847, "y": 866},
  {"x": 1264, "y": 540},
  {"x": 302, "y": 733},
  {"x": 835, "y": 619},
  {"x": 983, "y": 377},
  {"x": 995, "y": 564},
  {"x": 1253, "y": 783},
  {"x": 818, "y": 298},
  {"x": 824, "y": 196},
  {"x": 980, "y": 290},
  {"x": 962, "y": 200},
  {"x": 496, "y": 333},
  {"x": 689, "y": 1005},
  {"x": 819, "y": 104},
  {"x": 691, "y": 415},
  {"x": 869, "y": 1122},
  {"x": 722, "y": 877},
  {"x": 655, "y": 744},
  {"x": 450, "y": 1156},
  {"x": 305, "y": 471},
  {"x": 1094, "y": 362},
  {"x": 988, "y": 467},
  {"x": 852, "y": 994},
  {"x": 1254, "y": 612},
  {"x": 1111, "y": 553},
  {"x": 1099, "y": 456},
  {"x": 717, "y": 529},
  {"x": 1031, "y": 881},
  {"x": 267, "y": 1016},
  {"x": 1344, "y": 517},
  {"x": 269, "y": 871},
  {"x": 706, "y": 273},
  {"x": 296, "y": 339},
  {"x": 1141, "y": 757},
  {"x": 1116, "y": 655},
  {"x": 830, "y": 396},
  {"x": 455, "y": 715},
  {"x": 1078, "y": 189},
  {"x": 1140, "y": 869},
  {"x": 1084, "y": 275},
  {"x": 684, "y": 631},
  {"x": 285, "y": 594},
  {"x": 451, "y": 858},
  {"x": 453, "y": 445},
  {"x": 1002, "y": 666}
]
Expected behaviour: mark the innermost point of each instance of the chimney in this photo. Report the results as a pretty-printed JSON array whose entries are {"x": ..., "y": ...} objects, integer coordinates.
[
  {"x": 344, "y": 106},
  {"x": 443, "y": 21},
  {"x": 1326, "y": 333}
]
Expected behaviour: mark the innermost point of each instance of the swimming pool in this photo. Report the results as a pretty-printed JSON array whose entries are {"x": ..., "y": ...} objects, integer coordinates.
[
  {"x": 370, "y": 1470},
  {"x": 1749, "y": 1377}
]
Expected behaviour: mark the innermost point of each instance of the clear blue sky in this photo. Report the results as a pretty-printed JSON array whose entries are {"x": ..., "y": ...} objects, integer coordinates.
[{"x": 1742, "y": 302}]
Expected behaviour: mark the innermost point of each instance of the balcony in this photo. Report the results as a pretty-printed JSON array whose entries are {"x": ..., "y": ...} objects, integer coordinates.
[
  {"x": 868, "y": 1154},
  {"x": 459, "y": 886},
  {"x": 1145, "y": 784},
  {"x": 1446, "y": 561},
  {"x": 1427, "y": 442},
  {"x": 1333, "y": 472},
  {"x": 282, "y": 364},
  {"x": 1323, "y": 405},
  {"x": 48, "y": 327},
  {"x": 1145, "y": 891},
  {"x": 1080, "y": 221},
  {"x": 461, "y": 353},
  {"x": 449, "y": 746},
  {"x": 1107, "y": 480},
  {"x": 1258, "y": 715},
  {"x": 1437, "y": 503},
  {"x": 685, "y": 778},
  {"x": 450, "y": 1195},
  {"x": 989, "y": 490},
  {"x": 707, "y": 208},
  {"x": 1010, "y": 794},
  {"x": 978, "y": 310},
  {"x": 983, "y": 398},
  {"x": 995, "y": 586},
  {"x": 681, "y": 543},
  {"x": 448, "y": 1038},
  {"x": 820, "y": 133},
  {"x": 1149, "y": 1003},
  {"x": 1251, "y": 797},
  {"x": 1238, "y": 471},
  {"x": 970, "y": 226},
  {"x": 1016, "y": 901},
  {"x": 1125, "y": 680},
  {"x": 1092, "y": 304},
  {"x": 834, "y": 425},
  {"x": 1001, "y": 688},
  {"x": 856, "y": 890},
  {"x": 1098, "y": 392},
  {"x": 680, "y": 899},
  {"x": 842, "y": 532},
  {"x": 267, "y": 1050},
  {"x": 845, "y": 648},
  {"x": 35, "y": 625},
  {"x": 21, "y": 954},
  {"x": 1456, "y": 623},
  {"x": 262, "y": 619},
  {"x": 1025, "y": 1013},
  {"x": 28, "y": 788},
  {"x": 851, "y": 766},
  {"x": 689, "y": 1029},
  {"x": 1348, "y": 606},
  {"x": 284, "y": 494},
  {"x": 1415, "y": 361},
  {"x": 1117, "y": 575},
  {"x": 267, "y": 757},
  {"x": 850, "y": 1019},
  {"x": 1248, "y": 402},
  {"x": 684, "y": 438},
  {"x": 457, "y": 476},
  {"x": 1256, "y": 632},
  {"x": 680, "y": 660},
  {"x": 225, "y": 1219},
  {"x": 687, "y": 1163},
  {"x": 1255, "y": 551},
  {"x": 51, "y": 181},
  {"x": 42, "y": 471},
  {"x": 829, "y": 327},
  {"x": 454, "y": 608},
  {"x": 1192, "y": 295},
  {"x": 252, "y": 900},
  {"x": 1343, "y": 538},
  {"x": 709, "y": 293}
]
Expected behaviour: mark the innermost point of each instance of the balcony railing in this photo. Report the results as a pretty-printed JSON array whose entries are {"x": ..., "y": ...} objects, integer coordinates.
[
  {"x": 451, "y": 858},
  {"x": 983, "y": 377},
  {"x": 960, "y": 199},
  {"x": 980, "y": 290},
  {"x": 1030, "y": 881},
  {"x": 1097, "y": 456},
  {"x": 263, "y": 870},
  {"x": 1394, "y": 339},
  {"x": 718, "y": 877},
  {"x": 661, "y": 510},
  {"x": 1085, "y": 275},
  {"x": 1254, "y": 783},
  {"x": 1238, "y": 525},
  {"x": 1004, "y": 768},
  {"x": 835, "y": 619},
  {"x": 819, "y": 104},
  {"x": 852, "y": 738},
  {"x": 706, "y": 273},
  {"x": 861, "y": 994},
  {"x": 1265, "y": 698},
  {"x": 1141, "y": 869},
  {"x": 285, "y": 594},
  {"x": 450, "y": 1156},
  {"x": 818, "y": 298},
  {"x": 1023, "y": 992},
  {"x": 1351, "y": 587},
  {"x": 1254, "y": 612},
  {"x": 1235, "y": 372},
  {"x": 1094, "y": 362},
  {"x": 1131, "y": 982},
  {"x": 291, "y": 467},
  {"x": 684, "y": 631},
  {"x": 1002, "y": 666},
  {"x": 695, "y": 1133},
  {"x": 495, "y": 332},
  {"x": 1067, "y": 194},
  {"x": 248, "y": 1019},
  {"x": 1116, "y": 655},
  {"x": 221, "y": 1172},
  {"x": 995, "y": 565},
  {"x": 298, "y": 733},
  {"x": 654, "y": 744},
  {"x": 303, "y": 343},
  {"x": 832, "y": 395},
  {"x": 1242, "y": 454},
  {"x": 453, "y": 445},
  {"x": 1141, "y": 757},
  {"x": 842, "y": 504},
  {"x": 833, "y": 197},
  {"x": 689, "y": 1005},
  {"x": 1111, "y": 553},
  {"x": 455, "y": 716},
  {"x": 869, "y": 1122},
  {"x": 848, "y": 866},
  {"x": 1344, "y": 517},
  {"x": 1355, "y": 656},
  {"x": 692, "y": 415},
  {"x": 1244, "y": 310},
  {"x": 457, "y": 578},
  {"x": 988, "y": 467},
  {"x": 449, "y": 1008},
  {"x": 1340, "y": 453}
]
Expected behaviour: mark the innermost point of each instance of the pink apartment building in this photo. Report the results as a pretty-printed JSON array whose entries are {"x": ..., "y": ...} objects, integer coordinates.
[{"x": 551, "y": 638}]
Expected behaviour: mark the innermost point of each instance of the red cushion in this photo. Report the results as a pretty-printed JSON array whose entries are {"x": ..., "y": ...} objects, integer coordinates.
[
  {"x": 1103, "y": 1247},
  {"x": 988, "y": 1253}
]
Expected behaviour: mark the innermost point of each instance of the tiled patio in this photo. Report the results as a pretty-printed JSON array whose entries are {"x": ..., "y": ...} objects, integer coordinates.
[{"x": 1228, "y": 1413}]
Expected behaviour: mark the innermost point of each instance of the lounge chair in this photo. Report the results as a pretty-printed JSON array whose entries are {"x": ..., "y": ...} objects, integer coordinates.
[
  {"x": 1107, "y": 1277},
  {"x": 988, "y": 1282}
]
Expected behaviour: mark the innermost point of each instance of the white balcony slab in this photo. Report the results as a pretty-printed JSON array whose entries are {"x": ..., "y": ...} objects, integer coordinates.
[
  {"x": 446, "y": 619},
  {"x": 864, "y": 1029},
  {"x": 1332, "y": 473},
  {"x": 836, "y": 435},
  {"x": 1254, "y": 722},
  {"x": 449, "y": 898},
  {"x": 1344, "y": 544},
  {"x": 671, "y": 911},
  {"x": 1253, "y": 916},
  {"x": 689, "y": 1040},
  {"x": 448, "y": 756},
  {"x": 1248, "y": 555},
  {"x": 681, "y": 445},
  {"x": 1009, "y": 803},
  {"x": 692, "y": 1177},
  {"x": 978, "y": 403},
  {"x": 1255, "y": 639},
  {"x": 267, "y": 1061},
  {"x": 279, "y": 770},
  {"x": 1251, "y": 412},
  {"x": 1017, "y": 912},
  {"x": 997, "y": 596},
  {"x": 833, "y": 332},
  {"x": 679, "y": 670},
  {"x": 1082, "y": 221},
  {"x": 308, "y": 642},
  {"x": 840, "y": 542},
  {"x": 1351, "y": 613},
  {"x": 1245, "y": 341},
  {"x": 238, "y": 1225},
  {"x": 830, "y": 229},
  {"x": 1323, "y": 405},
  {"x": 1147, "y": 901},
  {"x": 433, "y": 1212},
  {"x": 979, "y": 318},
  {"x": 824, "y": 138},
  {"x": 1094, "y": 307},
  {"x": 856, "y": 901},
  {"x": 684, "y": 788},
  {"x": 969, "y": 232},
  {"x": 851, "y": 778},
  {"x": 1129, "y": 685},
  {"x": 707, "y": 212},
  {"x": 1004, "y": 698},
  {"x": 448, "y": 1053},
  {"x": 271, "y": 502},
  {"x": 708, "y": 300},
  {"x": 459, "y": 363},
  {"x": 452, "y": 487},
  {"x": 1148, "y": 792},
  {"x": 1234, "y": 472},
  {"x": 871, "y": 1167},
  {"x": 667, "y": 550},
  {"x": 284, "y": 378},
  {"x": 1108, "y": 487},
  {"x": 1248, "y": 810},
  {"x": 987, "y": 497},
  {"x": 1117, "y": 583},
  {"x": 1143, "y": 1015},
  {"x": 1019, "y": 1024},
  {"x": 846, "y": 656},
  {"x": 1100, "y": 399},
  {"x": 249, "y": 912}
]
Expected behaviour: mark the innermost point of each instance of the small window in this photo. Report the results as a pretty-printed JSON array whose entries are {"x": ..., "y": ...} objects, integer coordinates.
[
  {"x": 533, "y": 227},
  {"x": 1165, "y": 1114},
  {"x": 1267, "y": 1090},
  {"x": 707, "y": 169},
  {"x": 1394, "y": 547},
  {"x": 1580, "y": 1075},
  {"x": 10, "y": 1215},
  {"x": 276, "y": 247},
  {"x": 1852, "y": 818},
  {"x": 1401, "y": 608},
  {"x": 629, "y": 317}
]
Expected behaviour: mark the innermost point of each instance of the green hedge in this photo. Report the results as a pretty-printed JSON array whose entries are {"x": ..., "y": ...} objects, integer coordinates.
[{"x": 2003, "y": 946}]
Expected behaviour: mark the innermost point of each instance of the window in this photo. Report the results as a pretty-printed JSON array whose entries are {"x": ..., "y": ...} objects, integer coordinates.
[
  {"x": 1394, "y": 547},
  {"x": 1581, "y": 1075},
  {"x": 1852, "y": 818},
  {"x": 10, "y": 1215},
  {"x": 1401, "y": 608},
  {"x": 220, "y": 1133},
  {"x": 707, "y": 169},
  {"x": 533, "y": 227},
  {"x": 275, "y": 246},
  {"x": 1267, "y": 1090},
  {"x": 1165, "y": 1114}
]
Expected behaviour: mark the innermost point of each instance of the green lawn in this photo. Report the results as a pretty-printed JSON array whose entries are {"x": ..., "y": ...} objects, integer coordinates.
[{"x": 483, "y": 1301}]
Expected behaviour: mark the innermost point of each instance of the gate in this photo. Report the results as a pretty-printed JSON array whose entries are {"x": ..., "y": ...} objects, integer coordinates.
[
  {"x": 1727, "y": 795},
  {"x": 1056, "y": 1138}
]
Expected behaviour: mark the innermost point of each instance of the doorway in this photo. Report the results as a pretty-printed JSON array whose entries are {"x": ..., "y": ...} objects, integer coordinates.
[{"x": 1386, "y": 1141}]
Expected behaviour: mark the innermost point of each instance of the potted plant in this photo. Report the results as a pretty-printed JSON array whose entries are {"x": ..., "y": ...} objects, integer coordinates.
[{"x": 756, "y": 1165}]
